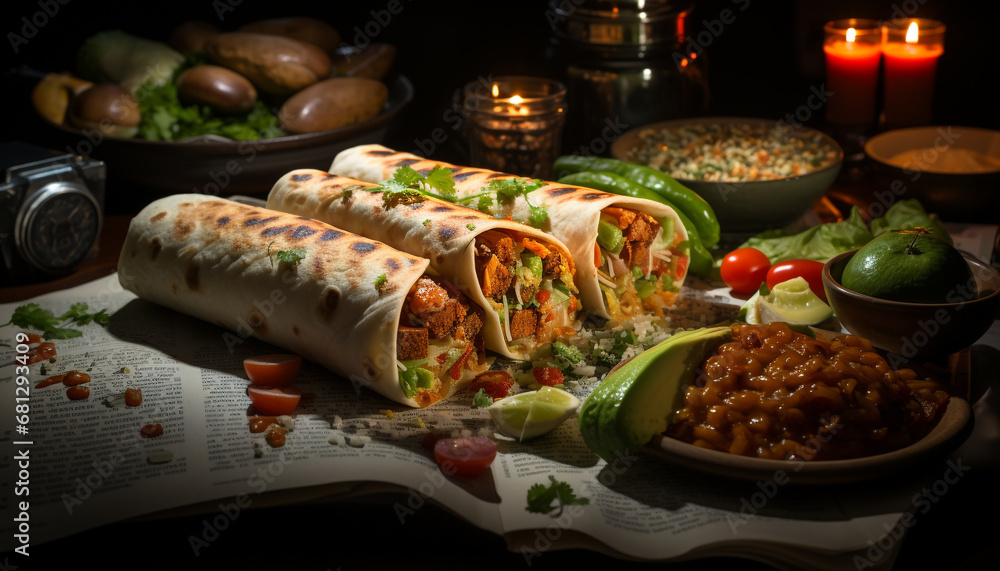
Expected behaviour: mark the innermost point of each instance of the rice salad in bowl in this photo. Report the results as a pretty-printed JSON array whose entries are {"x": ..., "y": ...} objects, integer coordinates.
[
  {"x": 756, "y": 174},
  {"x": 732, "y": 152}
]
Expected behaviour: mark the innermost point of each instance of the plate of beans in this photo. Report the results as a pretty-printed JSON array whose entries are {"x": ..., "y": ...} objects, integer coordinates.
[{"x": 818, "y": 410}]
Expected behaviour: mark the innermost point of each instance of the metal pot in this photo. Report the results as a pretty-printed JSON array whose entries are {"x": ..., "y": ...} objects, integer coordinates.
[{"x": 625, "y": 65}]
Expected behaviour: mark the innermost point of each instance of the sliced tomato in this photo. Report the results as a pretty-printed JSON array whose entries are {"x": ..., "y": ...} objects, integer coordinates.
[
  {"x": 744, "y": 269},
  {"x": 548, "y": 376},
  {"x": 274, "y": 401},
  {"x": 465, "y": 456},
  {"x": 543, "y": 295},
  {"x": 810, "y": 270},
  {"x": 272, "y": 370}
]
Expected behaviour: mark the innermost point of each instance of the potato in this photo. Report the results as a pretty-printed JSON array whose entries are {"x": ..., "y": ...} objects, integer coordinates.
[
  {"x": 218, "y": 87},
  {"x": 372, "y": 62},
  {"x": 308, "y": 30},
  {"x": 192, "y": 36},
  {"x": 333, "y": 103},
  {"x": 274, "y": 64},
  {"x": 106, "y": 107}
]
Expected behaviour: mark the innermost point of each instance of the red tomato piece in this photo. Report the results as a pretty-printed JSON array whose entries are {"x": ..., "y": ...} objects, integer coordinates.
[
  {"x": 497, "y": 384},
  {"x": 810, "y": 270},
  {"x": 744, "y": 269},
  {"x": 74, "y": 378},
  {"x": 543, "y": 295},
  {"x": 78, "y": 393},
  {"x": 272, "y": 370},
  {"x": 465, "y": 456},
  {"x": 548, "y": 376},
  {"x": 41, "y": 352},
  {"x": 133, "y": 397},
  {"x": 151, "y": 430},
  {"x": 274, "y": 401}
]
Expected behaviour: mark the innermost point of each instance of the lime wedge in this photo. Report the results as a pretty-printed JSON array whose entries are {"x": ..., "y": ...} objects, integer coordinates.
[{"x": 532, "y": 414}]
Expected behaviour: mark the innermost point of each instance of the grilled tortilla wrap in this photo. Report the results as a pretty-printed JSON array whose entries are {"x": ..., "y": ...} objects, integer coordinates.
[
  {"x": 504, "y": 265},
  {"x": 339, "y": 304},
  {"x": 634, "y": 271}
]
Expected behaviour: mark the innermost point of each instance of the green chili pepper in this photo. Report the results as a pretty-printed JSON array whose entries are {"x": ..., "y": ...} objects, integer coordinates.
[
  {"x": 688, "y": 201},
  {"x": 701, "y": 260},
  {"x": 609, "y": 236}
]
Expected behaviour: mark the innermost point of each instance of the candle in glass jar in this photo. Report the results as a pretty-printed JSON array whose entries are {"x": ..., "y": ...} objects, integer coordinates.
[
  {"x": 911, "y": 49},
  {"x": 853, "y": 53}
]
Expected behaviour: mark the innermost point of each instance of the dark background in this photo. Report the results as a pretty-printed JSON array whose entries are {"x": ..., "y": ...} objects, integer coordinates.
[{"x": 762, "y": 65}]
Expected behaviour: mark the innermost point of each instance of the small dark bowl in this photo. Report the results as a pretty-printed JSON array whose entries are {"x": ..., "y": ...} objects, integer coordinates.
[
  {"x": 951, "y": 193},
  {"x": 923, "y": 330}
]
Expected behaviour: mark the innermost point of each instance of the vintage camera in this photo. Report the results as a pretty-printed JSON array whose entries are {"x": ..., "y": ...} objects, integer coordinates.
[{"x": 51, "y": 212}]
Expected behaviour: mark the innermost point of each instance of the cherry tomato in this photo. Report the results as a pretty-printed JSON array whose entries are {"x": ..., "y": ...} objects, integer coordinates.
[
  {"x": 272, "y": 370},
  {"x": 548, "y": 376},
  {"x": 465, "y": 456},
  {"x": 542, "y": 295},
  {"x": 744, "y": 269},
  {"x": 274, "y": 401},
  {"x": 810, "y": 270},
  {"x": 151, "y": 430}
]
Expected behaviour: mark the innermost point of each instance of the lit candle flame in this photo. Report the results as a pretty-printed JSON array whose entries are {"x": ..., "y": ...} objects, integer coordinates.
[
  {"x": 516, "y": 100},
  {"x": 851, "y": 34},
  {"x": 496, "y": 90},
  {"x": 912, "y": 33}
]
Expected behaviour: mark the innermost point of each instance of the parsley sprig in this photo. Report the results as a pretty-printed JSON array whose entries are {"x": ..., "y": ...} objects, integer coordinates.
[
  {"x": 541, "y": 497},
  {"x": 32, "y": 316},
  {"x": 407, "y": 185}
]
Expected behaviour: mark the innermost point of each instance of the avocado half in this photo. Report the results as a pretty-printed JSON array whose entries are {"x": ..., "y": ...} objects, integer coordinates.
[{"x": 635, "y": 402}]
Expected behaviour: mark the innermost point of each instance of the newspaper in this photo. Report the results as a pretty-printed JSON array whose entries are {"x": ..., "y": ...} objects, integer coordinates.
[{"x": 73, "y": 465}]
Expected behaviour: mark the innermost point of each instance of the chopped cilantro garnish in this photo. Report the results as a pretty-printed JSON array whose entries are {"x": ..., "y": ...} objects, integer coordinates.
[
  {"x": 470, "y": 226},
  {"x": 427, "y": 222},
  {"x": 32, "y": 316},
  {"x": 568, "y": 352},
  {"x": 288, "y": 256},
  {"x": 541, "y": 497},
  {"x": 380, "y": 281},
  {"x": 482, "y": 399}
]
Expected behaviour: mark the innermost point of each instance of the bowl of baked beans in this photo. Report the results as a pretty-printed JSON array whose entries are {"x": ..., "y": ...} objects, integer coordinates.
[{"x": 820, "y": 409}]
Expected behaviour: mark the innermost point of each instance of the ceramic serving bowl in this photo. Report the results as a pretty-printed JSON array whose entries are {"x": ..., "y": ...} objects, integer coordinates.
[
  {"x": 953, "y": 171},
  {"x": 922, "y": 330},
  {"x": 750, "y": 206}
]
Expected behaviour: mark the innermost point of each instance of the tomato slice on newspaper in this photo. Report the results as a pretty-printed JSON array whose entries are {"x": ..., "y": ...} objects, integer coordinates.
[
  {"x": 272, "y": 370},
  {"x": 274, "y": 401},
  {"x": 465, "y": 456}
]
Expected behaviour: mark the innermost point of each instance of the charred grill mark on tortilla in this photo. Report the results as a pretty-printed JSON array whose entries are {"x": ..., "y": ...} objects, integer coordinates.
[
  {"x": 561, "y": 191},
  {"x": 155, "y": 245},
  {"x": 302, "y": 232},
  {"x": 442, "y": 208},
  {"x": 330, "y": 235},
  {"x": 158, "y": 217},
  {"x": 301, "y": 177},
  {"x": 328, "y": 306},
  {"x": 275, "y": 230},
  {"x": 392, "y": 264},
  {"x": 222, "y": 221},
  {"x": 461, "y": 175},
  {"x": 381, "y": 153},
  {"x": 363, "y": 247},
  {"x": 406, "y": 162}
]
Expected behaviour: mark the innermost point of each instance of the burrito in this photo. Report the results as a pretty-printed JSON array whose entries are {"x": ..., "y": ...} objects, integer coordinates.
[
  {"x": 368, "y": 312},
  {"x": 523, "y": 277},
  {"x": 631, "y": 254}
]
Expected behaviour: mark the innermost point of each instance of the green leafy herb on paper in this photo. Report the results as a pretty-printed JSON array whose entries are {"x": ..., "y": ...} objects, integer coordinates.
[
  {"x": 32, "y": 316},
  {"x": 380, "y": 281},
  {"x": 481, "y": 399},
  {"x": 541, "y": 497}
]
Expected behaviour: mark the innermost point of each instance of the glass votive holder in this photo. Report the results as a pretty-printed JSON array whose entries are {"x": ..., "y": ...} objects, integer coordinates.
[
  {"x": 515, "y": 124},
  {"x": 911, "y": 48}
]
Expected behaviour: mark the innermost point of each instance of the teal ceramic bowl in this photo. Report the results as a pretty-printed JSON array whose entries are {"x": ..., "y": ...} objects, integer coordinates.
[
  {"x": 750, "y": 206},
  {"x": 916, "y": 330}
]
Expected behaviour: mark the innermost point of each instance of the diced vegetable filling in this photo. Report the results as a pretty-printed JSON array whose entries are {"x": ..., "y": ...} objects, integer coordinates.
[
  {"x": 527, "y": 283},
  {"x": 639, "y": 262},
  {"x": 439, "y": 340}
]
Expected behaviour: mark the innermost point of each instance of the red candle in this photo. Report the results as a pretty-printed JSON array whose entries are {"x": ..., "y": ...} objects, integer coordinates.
[
  {"x": 853, "y": 53},
  {"x": 912, "y": 49}
]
